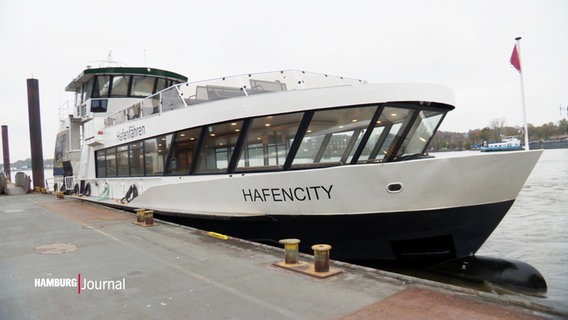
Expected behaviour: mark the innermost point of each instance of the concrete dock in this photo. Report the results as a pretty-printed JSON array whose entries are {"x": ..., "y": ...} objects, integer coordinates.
[{"x": 70, "y": 259}]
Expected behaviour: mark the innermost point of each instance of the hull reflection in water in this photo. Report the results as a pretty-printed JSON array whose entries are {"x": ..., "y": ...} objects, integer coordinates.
[{"x": 508, "y": 274}]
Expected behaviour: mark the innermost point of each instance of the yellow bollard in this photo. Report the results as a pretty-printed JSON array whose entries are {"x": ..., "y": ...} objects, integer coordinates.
[
  {"x": 321, "y": 255},
  {"x": 290, "y": 250},
  {"x": 140, "y": 215},
  {"x": 149, "y": 217}
]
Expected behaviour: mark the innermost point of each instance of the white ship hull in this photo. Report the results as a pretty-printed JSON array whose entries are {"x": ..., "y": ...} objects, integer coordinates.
[{"x": 287, "y": 154}]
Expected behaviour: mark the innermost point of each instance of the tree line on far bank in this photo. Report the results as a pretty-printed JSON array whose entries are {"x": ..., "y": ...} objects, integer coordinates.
[{"x": 449, "y": 141}]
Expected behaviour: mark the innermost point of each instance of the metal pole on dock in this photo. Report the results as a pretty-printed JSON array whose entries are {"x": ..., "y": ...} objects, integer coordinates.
[
  {"x": 35, "y": 133},
  {"x": 6, "y": 152}
]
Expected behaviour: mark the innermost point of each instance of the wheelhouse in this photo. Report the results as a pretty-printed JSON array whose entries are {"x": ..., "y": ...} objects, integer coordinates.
[{"x": 99, "y": 91}]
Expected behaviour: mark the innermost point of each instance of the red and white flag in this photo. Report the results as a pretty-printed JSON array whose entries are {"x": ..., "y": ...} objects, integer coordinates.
[{"x": 515, "y": 59}]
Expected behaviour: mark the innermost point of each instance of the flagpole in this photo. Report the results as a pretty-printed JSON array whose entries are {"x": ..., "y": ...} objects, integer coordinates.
[{"x": 518, "y": 40}]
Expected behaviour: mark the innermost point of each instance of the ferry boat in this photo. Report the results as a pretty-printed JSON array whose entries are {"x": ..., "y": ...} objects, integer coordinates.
[
  {"x": 286, "y": 154},
  {"x": 506, "y": 144}
]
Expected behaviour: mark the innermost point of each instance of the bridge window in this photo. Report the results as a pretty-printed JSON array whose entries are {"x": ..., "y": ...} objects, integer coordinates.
[
  {"x": 101, "y": 87},
  {"x": 120, "y": 86},
  {"x": 142, "y": 86}
]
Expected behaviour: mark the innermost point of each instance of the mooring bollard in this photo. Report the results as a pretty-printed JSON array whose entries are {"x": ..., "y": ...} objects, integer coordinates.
[
  {"x": 321, "y": 255},
  {"x": 290, "y": 250},
  {"x": 140, "y": 215},
  {"x": 149, "y": 217}
]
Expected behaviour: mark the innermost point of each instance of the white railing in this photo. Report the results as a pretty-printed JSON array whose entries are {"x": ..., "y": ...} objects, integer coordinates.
[{"x": 188, "y": 94}]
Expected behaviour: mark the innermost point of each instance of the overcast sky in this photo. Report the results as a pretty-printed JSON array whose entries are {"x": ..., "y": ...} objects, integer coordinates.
[{"x": 465, "y": 45}]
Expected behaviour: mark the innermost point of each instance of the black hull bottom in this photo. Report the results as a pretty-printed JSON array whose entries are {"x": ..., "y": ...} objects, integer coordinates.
[{"x": 401, "y": 238}]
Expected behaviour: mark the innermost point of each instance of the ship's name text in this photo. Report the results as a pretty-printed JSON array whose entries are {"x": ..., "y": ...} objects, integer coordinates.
[
  {"x": 288, "y": 194},
  {"x": 130, "y": 133}
]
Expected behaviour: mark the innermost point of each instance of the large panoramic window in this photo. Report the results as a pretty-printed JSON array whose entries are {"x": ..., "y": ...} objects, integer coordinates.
[
  {"x": 155, "y": 154},
  {"x": 136, "y": 158},
  {"x": 268, "y": 141},
  {"x": 386, "y": 133},
  {"x": 122, "y": 161},
  {"x": 332, "y": 134},
  {"x": 111, "y": 162},
  {"x": 217, "y": 147},
  {"x": 325, "y": 137},
  {"x": 421, "y": 132},
  {"x": 184, "y": 149},
  {"x": 101, "y": 163}
]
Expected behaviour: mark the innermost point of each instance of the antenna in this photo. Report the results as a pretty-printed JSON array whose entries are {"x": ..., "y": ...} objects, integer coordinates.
[{"x": 109, "y": 62}]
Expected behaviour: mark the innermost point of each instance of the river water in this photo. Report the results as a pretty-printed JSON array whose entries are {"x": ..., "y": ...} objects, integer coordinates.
[{"x": 535, "y": 230}]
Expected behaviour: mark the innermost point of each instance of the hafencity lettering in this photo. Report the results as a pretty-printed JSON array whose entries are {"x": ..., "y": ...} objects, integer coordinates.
[
  {"x": 130, "y": 133},
  {"x": 310, "y": 193}
]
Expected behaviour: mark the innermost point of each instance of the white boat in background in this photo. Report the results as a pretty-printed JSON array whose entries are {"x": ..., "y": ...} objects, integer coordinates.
[
  {"x": 506, "y": 144},
  {"x": 286, "y": 154}
]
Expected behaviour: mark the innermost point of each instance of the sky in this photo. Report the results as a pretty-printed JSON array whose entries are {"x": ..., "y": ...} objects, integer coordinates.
[{"x": 463, "y": 44}]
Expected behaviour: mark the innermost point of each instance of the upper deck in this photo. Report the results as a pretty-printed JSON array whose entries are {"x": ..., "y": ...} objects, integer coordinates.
[{"x": 187, "y": 94}]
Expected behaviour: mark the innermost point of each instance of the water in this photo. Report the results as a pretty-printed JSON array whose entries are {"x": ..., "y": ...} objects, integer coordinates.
[{"x": 536, "y": 228}]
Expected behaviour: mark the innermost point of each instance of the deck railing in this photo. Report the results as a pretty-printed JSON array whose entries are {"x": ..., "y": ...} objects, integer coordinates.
[{"x": 187, "y": 94}]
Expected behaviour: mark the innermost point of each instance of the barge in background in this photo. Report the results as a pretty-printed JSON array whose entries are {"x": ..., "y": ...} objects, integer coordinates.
[{"x": 287, "y": 154}]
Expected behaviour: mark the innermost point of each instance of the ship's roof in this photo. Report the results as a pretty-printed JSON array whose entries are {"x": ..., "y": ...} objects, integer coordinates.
[{"x": 87, "y": 74}]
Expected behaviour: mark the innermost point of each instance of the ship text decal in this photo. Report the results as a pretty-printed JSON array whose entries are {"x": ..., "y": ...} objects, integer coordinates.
[
  {"x": 288, "y": 194},
  {"x": 130, "y": 133}
]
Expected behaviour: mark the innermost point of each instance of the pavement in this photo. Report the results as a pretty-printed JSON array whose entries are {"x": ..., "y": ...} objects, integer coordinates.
[{"x": 71, "y": 259}]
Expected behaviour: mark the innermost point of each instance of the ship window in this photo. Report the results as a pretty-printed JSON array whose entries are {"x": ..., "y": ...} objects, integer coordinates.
[
  {"x": 111, "y": 162},
  {"x": 218, "y": 144},
  {"x": 99, "y": 105},
  {"x": 101, "y": 88},
  {"x": 142, "y": 86},
  {"x": 87, "y": 90},
  {"x": 268, "y": 141},
  {"x": 101, "y": 164},
  {"x": 161, "y": 85},
  {"x": 422, "y": 131},
  {"x": 386, "y": 133},
  {"x": 155, "y": 153},
  {"x": 122, "y": 161},
  {"x": 184, "y": 149},
  {"x": 331, "y": 135},
  {"x": 136, "y": 158},
  {"x": 119, "y": 86}
]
